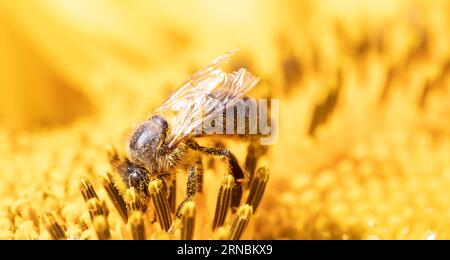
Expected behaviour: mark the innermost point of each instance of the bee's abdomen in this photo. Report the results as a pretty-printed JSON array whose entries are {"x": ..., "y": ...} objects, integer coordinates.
[{"x": 246, "y": 117}]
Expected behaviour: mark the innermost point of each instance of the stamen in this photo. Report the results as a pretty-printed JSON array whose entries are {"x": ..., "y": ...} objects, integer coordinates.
[
  {"x": 101, "y": 227},
  {"x": 188, "y": 221},
  {"x": 132, "y": 201},
  {"x": 97, "y": 208},
  {"x": 87, "y": 190},
  {"x": 115, "y": 197},
  {"x": 223, "y": 201},
  {"x": 221, "y": 233},
  {"x": 137, "y": 225},
  {"x": 257, "y": 187},
  {"x": 55, "y": 230},
  {"x": 240, "y": 222},
  {"x": 160, "y": 203}
]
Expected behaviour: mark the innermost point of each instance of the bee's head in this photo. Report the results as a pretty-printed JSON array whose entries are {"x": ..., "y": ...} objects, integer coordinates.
[
  {"x": 131, "y": 174},
  {"x": 135, "y": 177},
  {"x": 148, "y": 138}
]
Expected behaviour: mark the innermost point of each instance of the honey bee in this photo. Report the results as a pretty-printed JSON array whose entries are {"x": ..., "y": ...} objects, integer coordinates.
[{"x": 166, "y": 141}]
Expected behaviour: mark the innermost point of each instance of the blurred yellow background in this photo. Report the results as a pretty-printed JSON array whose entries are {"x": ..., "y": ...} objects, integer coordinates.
[{"x": 371, "y": 161}]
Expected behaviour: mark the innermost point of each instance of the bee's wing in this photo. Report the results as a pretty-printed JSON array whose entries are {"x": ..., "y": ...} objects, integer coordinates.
[{"x": 206, "y": 94}]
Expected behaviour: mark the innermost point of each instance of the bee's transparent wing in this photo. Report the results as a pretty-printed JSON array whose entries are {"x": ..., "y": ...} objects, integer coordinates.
[{"x": 206, "y": 94}]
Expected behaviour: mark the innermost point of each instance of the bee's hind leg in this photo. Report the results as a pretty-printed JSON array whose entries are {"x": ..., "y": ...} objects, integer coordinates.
[
  {"x": 233, "y": 165},
  {"x": 199, "y": 174},
  {"x": 211, "y": 163},
  {"x": 192, "y": 187}
]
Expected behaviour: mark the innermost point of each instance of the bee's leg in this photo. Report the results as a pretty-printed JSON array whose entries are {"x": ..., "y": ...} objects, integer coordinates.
[
  {"x": 211, "y": 162},
  {"x": 192, "y": 187},
  {"x": 233, "y": 166},
  {"x": 199, "y": 174}
]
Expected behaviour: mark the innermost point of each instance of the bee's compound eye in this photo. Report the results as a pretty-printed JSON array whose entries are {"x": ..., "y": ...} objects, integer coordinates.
[
  {"x": 151, "y": 133},
  {"x": 146, "y": 135},
  {"x": 160, "y": 122}
]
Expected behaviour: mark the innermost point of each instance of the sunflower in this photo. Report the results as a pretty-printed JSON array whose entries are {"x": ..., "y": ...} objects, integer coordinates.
[{"x": 364, "y": 147}]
